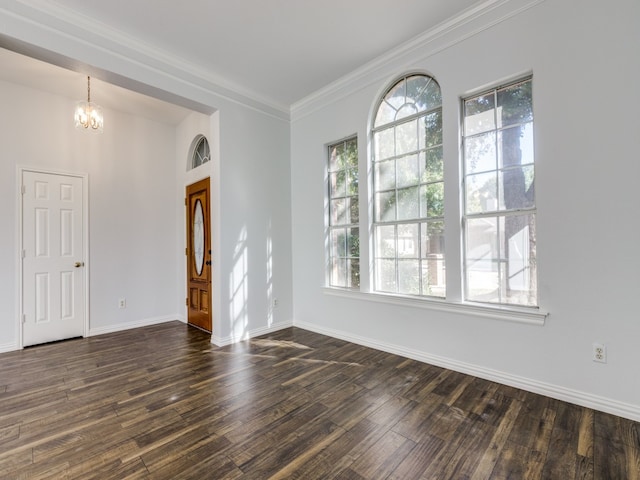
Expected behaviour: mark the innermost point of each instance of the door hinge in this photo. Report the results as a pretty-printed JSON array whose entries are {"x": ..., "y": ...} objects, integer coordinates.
[
  {"x": 186, "y": 302},
  {"x": 185, "y": 202},
  {"x": 186, "y": 251},
  {"x": 24, "y": 318},
  {"x": 23, "y": 189},
  {"x": 24, "y": 254}
]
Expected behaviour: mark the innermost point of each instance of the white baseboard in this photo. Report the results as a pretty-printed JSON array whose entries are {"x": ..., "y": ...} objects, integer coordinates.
[
  {"x": 223, "y": 341},
  {"x": 129, "y": 325},
  {"x": 607, "y": 405},
  {"x": 8, "y": 347}
]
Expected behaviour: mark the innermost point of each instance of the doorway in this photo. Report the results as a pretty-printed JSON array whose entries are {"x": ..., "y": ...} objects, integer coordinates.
[
  {"x": 199, "y": 255},
  {"x": 53, "y": 273}
]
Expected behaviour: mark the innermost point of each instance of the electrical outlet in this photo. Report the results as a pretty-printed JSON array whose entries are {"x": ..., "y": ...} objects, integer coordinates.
[
  {"x": 274, "y": 304},
  {"x": 122, "y": 303},
  {"x": 599, "y": 353}
]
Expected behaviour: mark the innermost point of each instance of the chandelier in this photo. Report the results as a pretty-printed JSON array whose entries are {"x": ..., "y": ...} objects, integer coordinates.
[{"x": 88, "y": 115}]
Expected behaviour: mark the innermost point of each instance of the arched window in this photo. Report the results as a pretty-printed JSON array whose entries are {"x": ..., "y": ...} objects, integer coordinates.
[
  {"x": 408, "y": 189},
  {"x": 199, "y": 152}
]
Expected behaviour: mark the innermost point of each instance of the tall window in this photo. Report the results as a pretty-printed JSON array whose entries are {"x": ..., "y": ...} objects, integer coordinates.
[
  {"x": 408, "y": 189},
  {"x": 344, "y": 233},
  {"x": 499, "y": 205}
]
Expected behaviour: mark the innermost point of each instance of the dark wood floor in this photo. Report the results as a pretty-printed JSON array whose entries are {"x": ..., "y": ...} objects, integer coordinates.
[{"x": 163, "y": 403}]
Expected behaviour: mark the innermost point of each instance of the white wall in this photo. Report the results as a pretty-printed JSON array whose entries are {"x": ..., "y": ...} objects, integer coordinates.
[
  {"x": 255, "y": 224},
  {"x": 585, "y": 64},
  {"x": 250, "y": 209},
  {"x": 132, "y": 242}
]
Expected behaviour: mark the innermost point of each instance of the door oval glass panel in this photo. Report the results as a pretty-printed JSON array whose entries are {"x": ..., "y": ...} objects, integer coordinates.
[{"x": 198, "y": 237}]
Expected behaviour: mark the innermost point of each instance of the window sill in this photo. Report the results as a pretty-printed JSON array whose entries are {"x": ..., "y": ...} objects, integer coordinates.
[{"x": 531, "y": 316}]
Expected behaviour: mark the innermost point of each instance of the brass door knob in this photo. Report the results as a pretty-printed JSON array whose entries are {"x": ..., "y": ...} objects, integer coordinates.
[{"x": 79, "y": 264}]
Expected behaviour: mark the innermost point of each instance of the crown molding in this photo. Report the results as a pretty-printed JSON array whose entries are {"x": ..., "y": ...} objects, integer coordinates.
[
  {"x": 76, "y": 32},
  {"x": 467, "y": 24}
]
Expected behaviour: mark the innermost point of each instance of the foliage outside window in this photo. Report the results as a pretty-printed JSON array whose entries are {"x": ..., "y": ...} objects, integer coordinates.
[
  {"x": 408, "y": 189},
  {"x": 499, "y": 206},
  {"x": 344, "y": 232}
]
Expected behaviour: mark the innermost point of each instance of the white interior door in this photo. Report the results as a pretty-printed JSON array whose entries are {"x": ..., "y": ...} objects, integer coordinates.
[{"x": 53, "y": 263}]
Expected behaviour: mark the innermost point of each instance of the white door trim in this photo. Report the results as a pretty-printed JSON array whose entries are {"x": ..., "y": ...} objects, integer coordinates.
[{"x": 20, "y": 170}]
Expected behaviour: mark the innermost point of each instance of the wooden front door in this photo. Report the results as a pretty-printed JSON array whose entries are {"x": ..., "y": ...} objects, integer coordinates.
[{"x": 199, "y": 255}]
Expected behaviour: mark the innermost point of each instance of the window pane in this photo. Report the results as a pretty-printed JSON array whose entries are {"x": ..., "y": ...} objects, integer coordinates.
[
  {"x": 338, "y": 275},
  {"x": 408, "y": 171},
  {"x": 334, "y": 157},
  {"x": 479, "y": 115},
  {"x": 432, "y": 238},
  {"x": 432, "y": 95},
  {"x": 384, "y": 143},
  {"x": 408, "y": 203},
  {"x": 354, "y": 210},
  {"x": 515, "y": 146},
  {"x": 432, "y": 130},
  {"x": 397, "y": 95},
  {"x": 339, "y": 215},
  {"x": 409, "y": 277},
  {"x": 406, "y": 110},
  {"x": 353, "y": 273},
  {"x": 385, "y": 175},
  {"x": 432, "y": 253},
  {"x": 386, "y": 241},
  {"x": 502, "y": 269},
  {"x": 351, "y": 153},
  {"x": 338, "y": 242},
  {"x": 482, "y": 239},
  {"x": 352, "y": 182},
  {"x": 480, "y": 153},
  {"x": 386, "y": 206},
  {"x": 353, "y": 242},
  {"x": 386, "y": 114},
  {"x": 407, "y": 137},
  {"x": 408, "y": 241},
  {"x": 516, "y": 188},
  {"x": 337, "y": 182},
  {"x": 519, "y": 284},
  {"x": 481, "y": 191},
  {"x": 514, "y": 104},
  {"x": 386, "y": 275},
  {"x": 483, "y": 284},
  {"x": 416, "y": 89},
  {"x": 431, "y": 165},
  {"x": 432, "y": 200}
]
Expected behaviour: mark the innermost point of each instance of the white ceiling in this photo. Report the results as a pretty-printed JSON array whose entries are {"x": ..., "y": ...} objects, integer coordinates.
[{"x": 277, "y": 50}]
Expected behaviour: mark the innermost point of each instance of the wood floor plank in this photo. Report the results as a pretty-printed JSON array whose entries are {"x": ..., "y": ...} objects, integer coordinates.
[{"x": 162, "y": 402}]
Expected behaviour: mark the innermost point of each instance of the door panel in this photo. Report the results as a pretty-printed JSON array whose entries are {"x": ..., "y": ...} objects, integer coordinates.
[
  {"x": 52, "y": 265},
  {"x": 199, "y": 255}
]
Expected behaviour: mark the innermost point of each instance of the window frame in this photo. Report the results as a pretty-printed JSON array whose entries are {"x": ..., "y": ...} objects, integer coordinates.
[
  {"x": 500, "y": 214},
  {"x": 330, "y": 226},
  {"x": 423, "y": 220}
]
